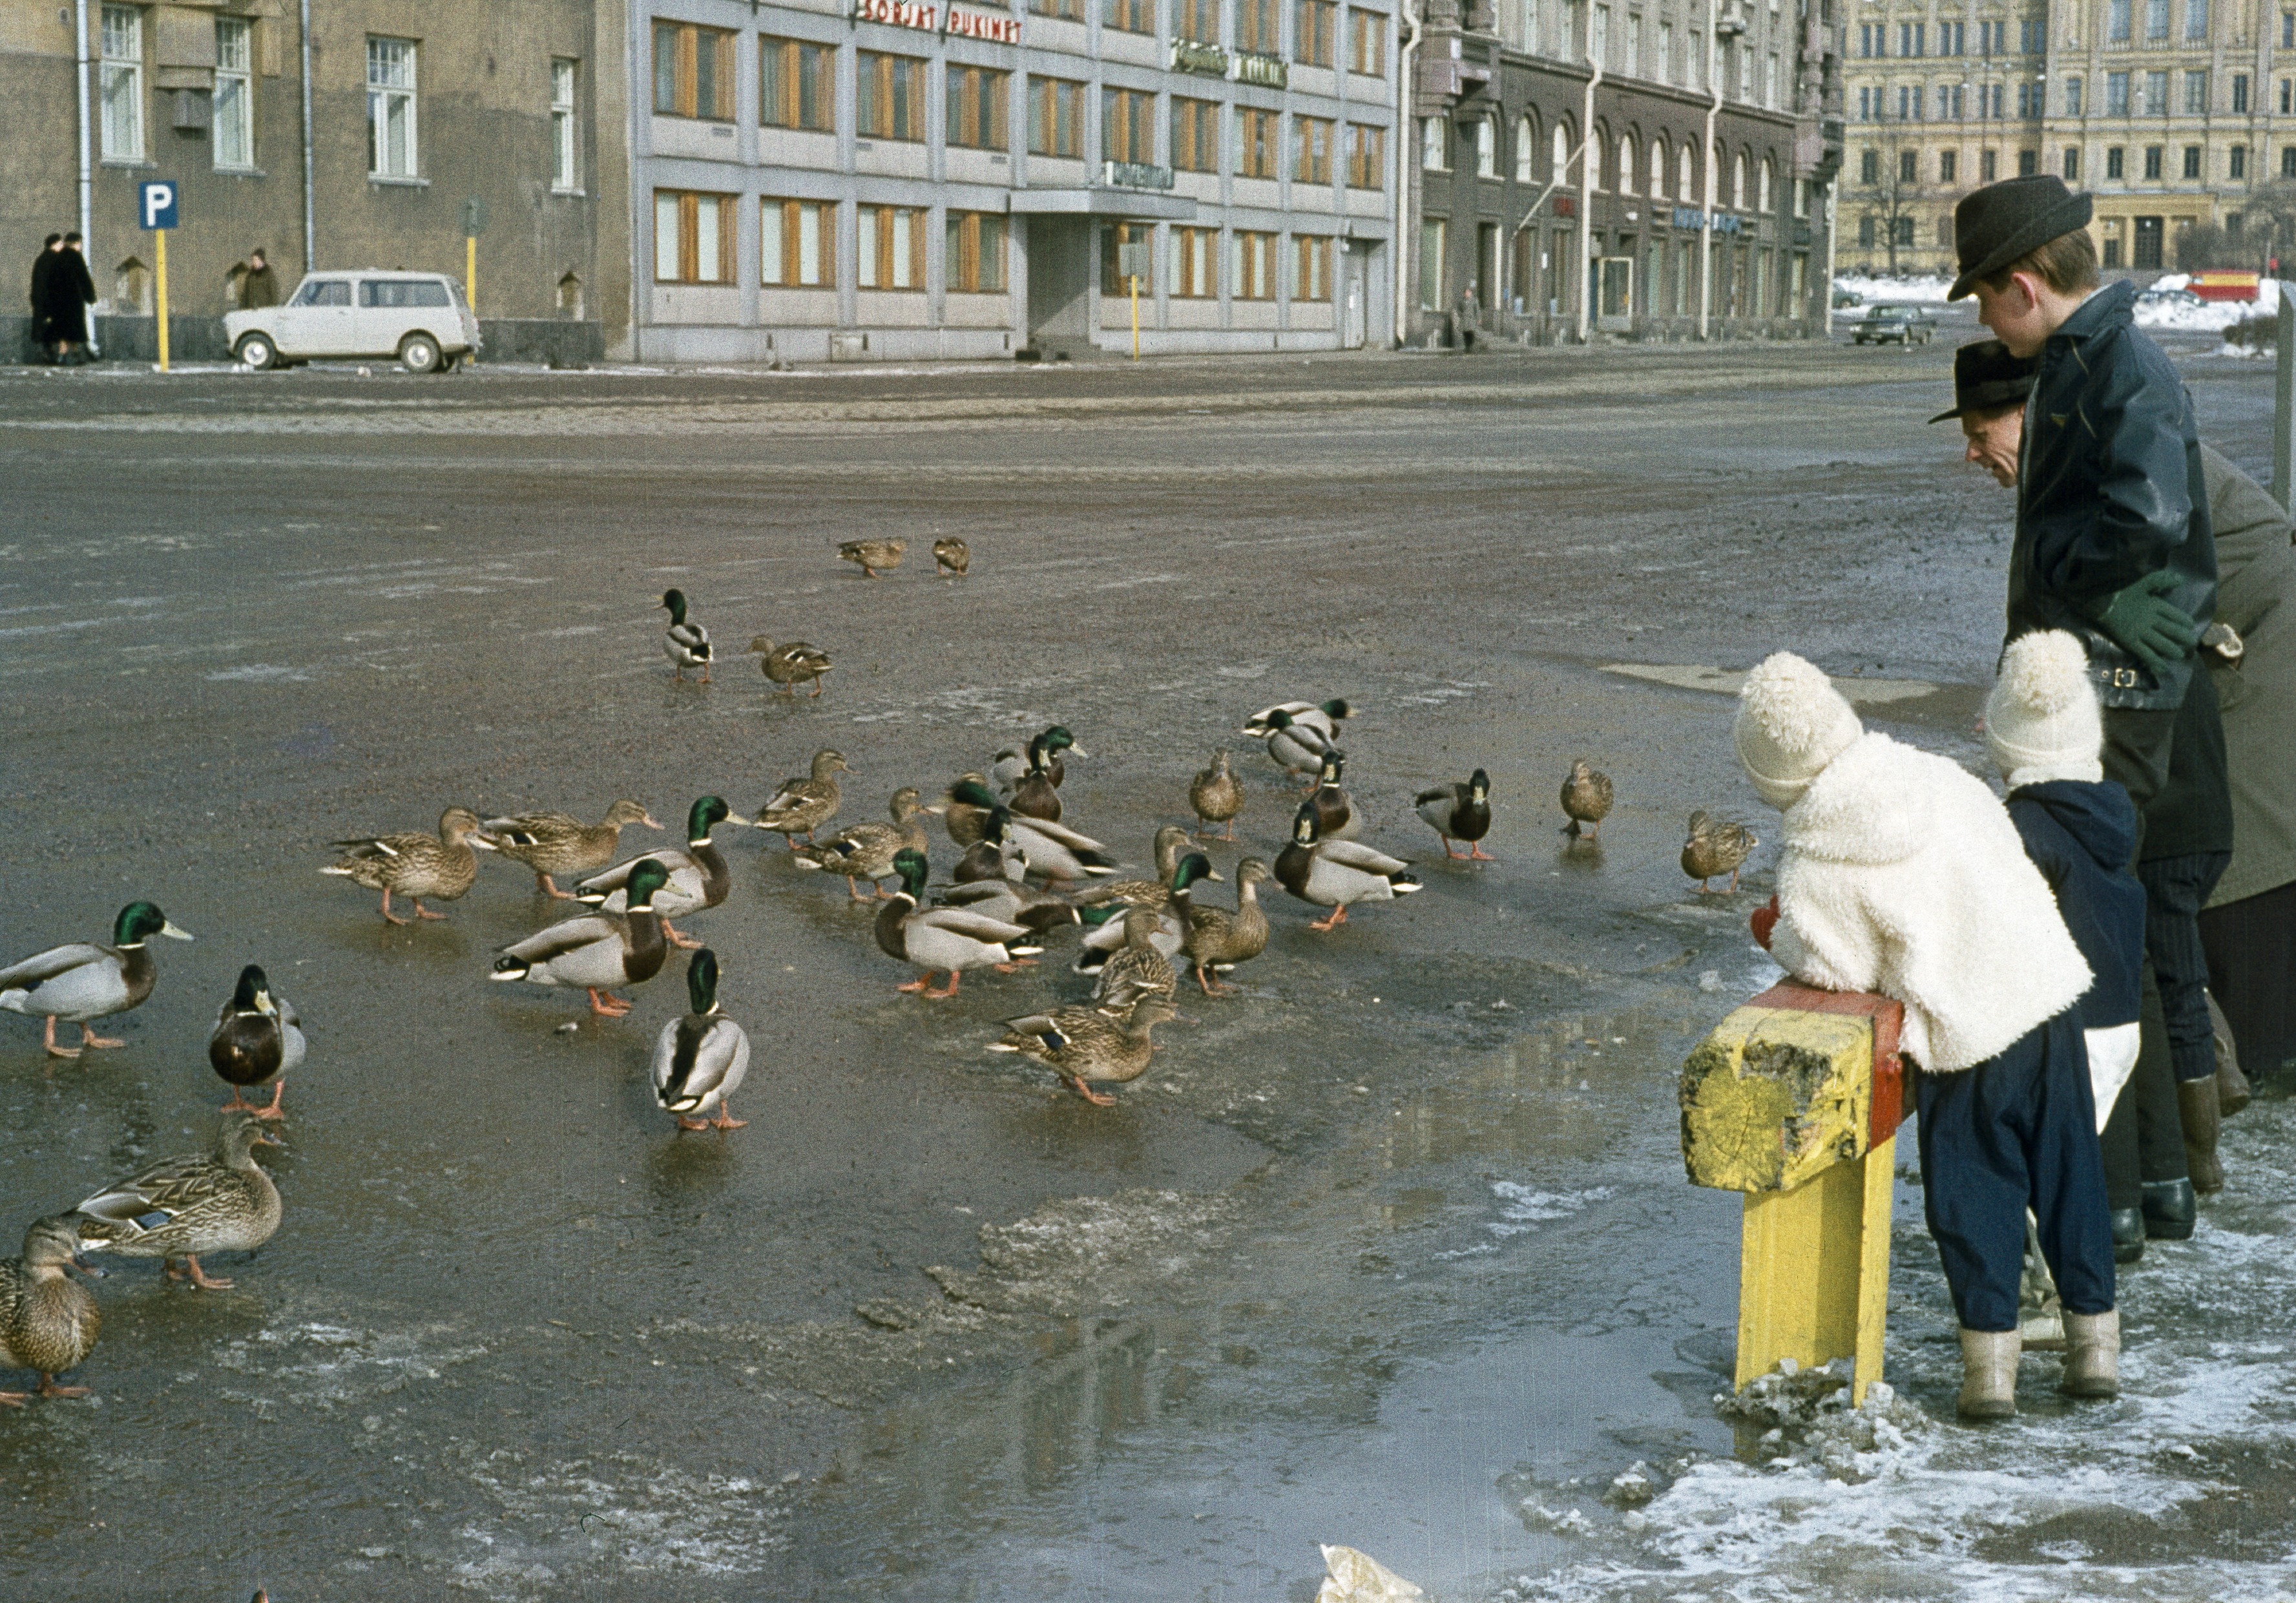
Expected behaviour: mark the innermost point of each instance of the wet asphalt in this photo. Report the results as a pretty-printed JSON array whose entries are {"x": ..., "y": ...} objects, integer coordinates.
[{"x": 1403, "y": 1220}]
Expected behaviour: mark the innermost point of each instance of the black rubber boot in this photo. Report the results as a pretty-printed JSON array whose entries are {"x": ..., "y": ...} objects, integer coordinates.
[
  {"x": 2170, "y": 1209},
  {"x": 2128, "y": 1234}
]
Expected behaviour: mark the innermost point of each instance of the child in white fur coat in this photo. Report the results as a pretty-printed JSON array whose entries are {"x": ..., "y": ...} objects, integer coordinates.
[{"x": 1901, "y": 874}]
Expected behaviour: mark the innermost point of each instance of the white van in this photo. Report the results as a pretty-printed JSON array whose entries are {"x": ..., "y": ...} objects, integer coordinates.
[{"x": 419, "y": 319}]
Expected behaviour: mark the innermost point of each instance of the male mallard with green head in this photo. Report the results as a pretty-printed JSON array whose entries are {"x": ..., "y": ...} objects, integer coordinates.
[
  {"x": 965, "y": 820},
  {"x": 597, "y": 951},
  {"x": 1585, "y": 800},
  {"x": 952, "y": 937},
  {"x": 685, "y": 645},
  {"x": 1109, "y": 920},
  {"x": 874, "y": 556},
  {"x": 1322, "y": 717},
  {"x": 700, "y": 876},
  {"x": 1459, "y": 812},
  {"x": 86, "y": 981},
  {"x": 1218, "y": 939},
  {"x": 180, "y": 1207},
  {"x": 1169, "y": 847},
  {"x": 1714, "y": 847},
  {"x": 867, "y": 851},
  {"x": 790, "y": 664},
  {"x": 1336, "y": 818},
  {"x": 701, "y": 1060},
  {"x": 1081, "y": 1044},
  {"x": 1217, "y": 794},
  {"x": 258, "y": 1040},
  {"x": 1041, "y": 754},
  {"x": 440, "y": 866},
  {"x": 1300, "y": 747},
  {"x": 556, "y": 842},
  {"x": 48, "y": 1322},
  {"x": 803, "y": 805},
  {"x": 1337, "y": 874}
]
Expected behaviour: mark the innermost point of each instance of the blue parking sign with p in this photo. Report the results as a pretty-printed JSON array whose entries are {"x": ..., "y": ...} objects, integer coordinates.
[{"x": 156, "y": 204}]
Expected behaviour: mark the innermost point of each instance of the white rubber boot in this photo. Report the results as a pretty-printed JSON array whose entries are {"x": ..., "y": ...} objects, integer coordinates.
[
  {"x": 1989, "y": 1374},
  {"x": 2093, "y": 1366}
]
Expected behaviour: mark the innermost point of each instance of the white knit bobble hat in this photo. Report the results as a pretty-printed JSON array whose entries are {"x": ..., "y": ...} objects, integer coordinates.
[
  {"x": 2042, "y": 721},
  {"x": 1792, "y": 722}
]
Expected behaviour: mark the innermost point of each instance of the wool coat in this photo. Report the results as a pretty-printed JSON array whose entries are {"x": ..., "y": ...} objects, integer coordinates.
[
  {"x": 2256, "y": 574},
  {"x": 70, "y": 292},
  {"x": 1900, "y": 872},
  {"x": 43, "y": 268}
]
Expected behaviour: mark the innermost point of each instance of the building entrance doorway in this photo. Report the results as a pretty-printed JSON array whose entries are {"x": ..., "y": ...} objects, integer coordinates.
[{"x": 1059, "y": 279}]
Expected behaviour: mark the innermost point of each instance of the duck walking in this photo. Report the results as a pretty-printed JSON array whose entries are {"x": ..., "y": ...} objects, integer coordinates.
[
  {"x": 597, "y": 951},
  {"x": 440, "y": 866},
  {"x": 1042, "y": 754},
  {"x": 700, "y": 877},
  {"x": 48, "y": 1322},
  {"x": 1337, "y": 874},
  {"x": 874, "y": 557},
  {"x": 181, "y": 1207},
  {"x": 1585, "y": 800},
  {"x": 1716, "y": 847},
  {"x": 867, "y": 851},
  {"x": 701, "y": 1060},
  {"x": 1324, "y": 717},
  {"x": 1138, "y": 967},
  {"x": 966, "y": 821},
  {"x": 803, "y": 805},
  {"x": 790, "y": 664},
  {"x": 86, "y": 981},
  {"x": 1460, "y": 812},
  {"x": 1089, "y": 1044},
  {"x": 554, "y": 843},
  {"x": 1297, "y": 746},
  {"x": 258, "y": 1040},
  {"x": 687, "y": 645},
  {"x": 1169, "y": 845},
  {"x": 1336, "y": 818},
  {"x": 1217, "y": 794},
  {"x": 1168, "y": 912},
  {"x": 1219, "y": 939},
  {"x": 951, "y": 555},
  {"x": 952, "y": 937}
]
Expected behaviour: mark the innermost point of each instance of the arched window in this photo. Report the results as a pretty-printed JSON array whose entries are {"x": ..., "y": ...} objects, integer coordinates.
[
  {"x": 1486, "y": 147},
  {"x": 1738, "y": 183},
  {"x": 1626, "y": 164},
  {"x": 1658, "y": 169},
  {"x": 1526, "y": 147},
  {"x": 1762, "y": 198},
  {"x": 1597, "y": 147},
  {"x": 1685, "y": 185},
  {"x": 1561, "y": 152}
]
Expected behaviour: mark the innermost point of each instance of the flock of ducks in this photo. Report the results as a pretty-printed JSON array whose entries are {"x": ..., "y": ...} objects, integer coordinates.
[{"x": 1025, "y": 873}]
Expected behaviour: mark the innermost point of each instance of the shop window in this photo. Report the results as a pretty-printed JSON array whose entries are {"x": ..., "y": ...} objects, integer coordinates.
[
  {"x": 799, "y": 244},
  {"x": 974, "y": 255},
  {"x": 1195, "y": 264},
  {"x": 1311, "y": 150},
  {"x": 1055, "y": 117},
  {"x": 693, "y": 237},
  {"x": 1255, "y": 266},
  {"x": 1195, "y": 134},
  {"x": 692, "y": 71},
  {"x": 1259, "y": 142},
  {"x": 892, "y": 95},
  {"x": 122, "y": 83},
  {"x": 1315, "y": 27},
  {"x": 1367, "y": 157},
  {"x": 1312, "y": 280},
  {"x": 977, "y": 111},
  {"x": 1127, "y": 124},
  {"x": 890, "y": 248},
  {"x": 797, "y": 85}
]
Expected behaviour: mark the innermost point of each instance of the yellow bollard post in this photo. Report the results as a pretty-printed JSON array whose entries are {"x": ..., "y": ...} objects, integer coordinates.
[
  {"x": 1136, "y": 317},
  {"x": 161, "y": 272},
  {"x": 471, "y": 272},
  {"x": 1794, "y": 1100}
]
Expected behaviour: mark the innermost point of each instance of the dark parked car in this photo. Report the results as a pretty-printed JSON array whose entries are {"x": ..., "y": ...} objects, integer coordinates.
[
  {"x": 1906, "y": 324},
  {"x": 2158, "y": 296}
]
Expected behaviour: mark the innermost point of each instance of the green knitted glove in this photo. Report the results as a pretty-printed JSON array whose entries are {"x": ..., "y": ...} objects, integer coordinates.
[{"x": 2140, "y": 622}]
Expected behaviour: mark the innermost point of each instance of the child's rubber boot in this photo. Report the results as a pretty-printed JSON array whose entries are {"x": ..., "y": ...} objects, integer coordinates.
[
  {"x": 2093, "y": 1366},
  {"x": 1989, "y": 1374}
]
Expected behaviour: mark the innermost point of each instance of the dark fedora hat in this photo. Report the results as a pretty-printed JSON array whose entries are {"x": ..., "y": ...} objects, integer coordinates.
[
  {"x": 1985, "y": 378},
  {"x": 1997, "y": 225}
]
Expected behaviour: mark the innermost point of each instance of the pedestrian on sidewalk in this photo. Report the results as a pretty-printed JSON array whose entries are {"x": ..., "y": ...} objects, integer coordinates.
[
  {"x": 1902, "y": 873},
  {"x": 70, "y": 291},
  {"x": 43, "y": 268},
  {"x": 258, "y": 286},
  {"x": 1471, "y": 318}
]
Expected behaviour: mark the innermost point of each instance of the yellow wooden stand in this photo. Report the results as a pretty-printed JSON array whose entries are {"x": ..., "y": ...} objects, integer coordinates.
[{"x": 1782, "y": 1102}]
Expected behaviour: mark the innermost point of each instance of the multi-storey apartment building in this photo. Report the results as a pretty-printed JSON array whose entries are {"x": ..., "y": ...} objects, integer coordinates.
[
  {"x": 1656, "y": 168},
  {"x": 826, "y": 179},
  {"x": 2171, "y": 112}
]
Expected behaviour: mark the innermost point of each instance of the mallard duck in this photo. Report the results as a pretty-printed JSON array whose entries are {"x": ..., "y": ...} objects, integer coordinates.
[
  {"x": 951, "y": 555},
  {"x": 1138, "y": 965},
  {"x": 699, "y": 1060},
  {"x": 258, "y": 1038},
  {"x": 1081, "y": 1044},
  {"x": 1585, "y": 800},
  {"x": 440, "y": 866},
  {"x": 1170, "y": 845},
  {"x": 874, "y": 555},
  {"x": 1336, "y": 818},
  {"x": 48, "y": 1322},
  {"x": 1218, "y": 939},
  {"x": 964, "y": 820},
  {"x": 993, "y": 857},
  {"x": 1337, "y": 874},
  {"x": 803, "y": 805},
  {"x": 1036, "y": 795},
  {"x": 1109, "y": 931},
  {"x": 1014, "y": 900},
  {"x": 1322, "y": 717},
  {"x": 180, "y": 1207},
  {"x": 1218, "y": 796},
  {"x": 86, "y": 981},
  {"x": 597, "y": 951},
  {"x": 867, "y": 851},
  {"x": 1297, "y": 746},
  {"x": 1716, "y": 847},
  {"x": 1052, "y": 850},
  {"x": 1460, "y": 812},
  {"x": 790, "y": 664},
  {"x": 685, "y": 645},
  {"x": 698, "y": 876},
  {"x": 1015, "y": 764},
  {"x": 952, "y": 937},
  {"x": 557, "y": 842}
]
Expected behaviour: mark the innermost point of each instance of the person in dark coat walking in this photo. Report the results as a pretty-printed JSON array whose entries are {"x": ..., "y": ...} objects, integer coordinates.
[
  {"x": 43, "y": 268},
  {"x": 259, "y": 285},
  {"x": 70, "y": 291}
]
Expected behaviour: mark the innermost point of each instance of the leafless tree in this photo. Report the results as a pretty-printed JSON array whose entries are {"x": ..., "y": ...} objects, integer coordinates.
[{"x": 1888, "y": 187}]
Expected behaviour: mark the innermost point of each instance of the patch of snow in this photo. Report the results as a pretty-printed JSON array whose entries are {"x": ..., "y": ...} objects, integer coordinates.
[{"x": 1926, "y": 290}]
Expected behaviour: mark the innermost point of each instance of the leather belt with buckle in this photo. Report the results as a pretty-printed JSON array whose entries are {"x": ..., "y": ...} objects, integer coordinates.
[{"x": 2124, "y": 679}]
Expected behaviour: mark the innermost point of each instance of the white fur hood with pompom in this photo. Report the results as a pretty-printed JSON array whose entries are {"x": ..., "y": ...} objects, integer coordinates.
[{"x": 1902, "y": 873}]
